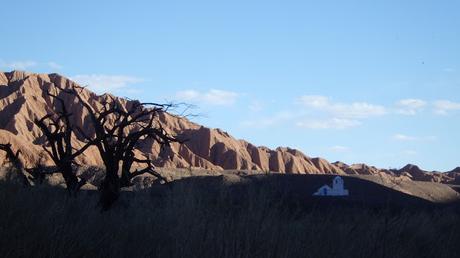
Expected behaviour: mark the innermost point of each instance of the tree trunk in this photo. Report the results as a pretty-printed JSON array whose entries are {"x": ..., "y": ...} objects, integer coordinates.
[
  {"x": 71, "y": 180},
  {"x": 125, "y": 180},
  {"x": 110, "y": 189}
]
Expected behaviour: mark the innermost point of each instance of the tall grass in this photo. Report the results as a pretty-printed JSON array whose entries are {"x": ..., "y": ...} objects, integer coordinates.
[{"x": 189, "y": 221}]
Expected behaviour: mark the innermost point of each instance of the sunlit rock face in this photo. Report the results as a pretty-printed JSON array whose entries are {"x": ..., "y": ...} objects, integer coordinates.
[{"x": 23, "y": 97}]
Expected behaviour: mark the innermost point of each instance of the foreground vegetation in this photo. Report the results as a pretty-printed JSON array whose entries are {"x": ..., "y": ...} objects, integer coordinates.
[
  {"x": 188, "y": 221},
  {"x": 117, "y": 131}
]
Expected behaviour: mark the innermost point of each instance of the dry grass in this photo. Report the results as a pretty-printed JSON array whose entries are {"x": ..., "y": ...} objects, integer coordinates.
[{"x": 190, "y": 220}]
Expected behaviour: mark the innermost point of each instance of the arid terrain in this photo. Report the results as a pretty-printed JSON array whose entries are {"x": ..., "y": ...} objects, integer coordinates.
[
  {"x": 222, "y": 197},
  {"x": 23, "y": 97},
  {"x": 206, "y": 151},
  {"x": 230, "y": 129}
]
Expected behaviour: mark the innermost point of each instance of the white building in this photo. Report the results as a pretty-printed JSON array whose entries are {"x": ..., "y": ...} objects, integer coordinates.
[{"x": 336, "y": 190}]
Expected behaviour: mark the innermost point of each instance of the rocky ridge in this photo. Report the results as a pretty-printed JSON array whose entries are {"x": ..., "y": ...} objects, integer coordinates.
[{"x": 23, "y": 98}]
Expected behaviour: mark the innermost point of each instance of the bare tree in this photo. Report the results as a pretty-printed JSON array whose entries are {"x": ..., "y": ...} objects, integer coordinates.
[
  {"x": 117, "y": 132},
  {"x": 15, "y": 161},
  {"x": 57, "y": 129}
]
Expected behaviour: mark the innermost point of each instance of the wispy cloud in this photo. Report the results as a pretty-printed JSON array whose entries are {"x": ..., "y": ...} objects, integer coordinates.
[
  {"x": 277, "y": 119},
  {"x": 339, "y": 148},
  {"x": 28, "y": 64},
  {"x": 333, "y": 123},
  {"x": 54, "y": 65},
  {"x": 410, "y": 106},
  {"x": 443, "y": 107},
  {"x": 403, "y": 137},
  {"x": 18, "y": 65},
  {"x": 336, "y": 115},
  {"x": 321, "y": 112},
  {"x": 342, "y": 110},
  {"x": 101, "y": 83},
  {"x": 409, "y": 152},
  {"x": 416, "y": 106},
  {"x": 407, "y": 138},
  {"x": 327, "y": 114},
  {"x": 210, "y": 97}
]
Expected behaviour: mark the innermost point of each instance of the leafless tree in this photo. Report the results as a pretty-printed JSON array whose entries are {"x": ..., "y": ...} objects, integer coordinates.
[
  {"x": 15, "y": 161},
  {"x": 57, "y": 129},
  {"x": 117, "y": 132}
]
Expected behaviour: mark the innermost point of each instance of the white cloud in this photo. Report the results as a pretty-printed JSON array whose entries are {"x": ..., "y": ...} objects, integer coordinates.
[
  {"x": 414, "y": 106},
  {"x": 27, "y": 64},
  {"x": 336, "y": 115},
  {"x": 339, "y": 148},
  {"x": 289, "y": 118},
  {"x": 323, "y": 113},
  {"x": 275, "y": 120},
  {"x": 442, "y": 107},
  {"x": 410, "y": 106},
  {"x": 333, "y": 123},
  {"x": 342, "y": 110},
  {"x": 316, "y": 101},
  {"x": 18, "y": 65},
  {"x": 407, "y": 138},
  {"x": 409, "y": 152},
  {"x": 210, "y": 97},
  {"x": 403, "y": 137},
  {"x": 101, "y": 83},
  {"x": 54, "y": 65}
]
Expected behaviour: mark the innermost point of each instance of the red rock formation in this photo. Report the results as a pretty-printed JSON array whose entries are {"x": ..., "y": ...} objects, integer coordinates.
[
  {"x": 23, "y": 98},
  {"x": 417, "y": 174}
]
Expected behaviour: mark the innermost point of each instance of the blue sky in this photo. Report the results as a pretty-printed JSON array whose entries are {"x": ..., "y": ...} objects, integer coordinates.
[{"x": 357, "y": 81}]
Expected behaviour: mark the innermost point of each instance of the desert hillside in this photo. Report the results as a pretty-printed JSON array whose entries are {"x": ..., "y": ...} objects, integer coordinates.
[{"x": 23, "y": 97}]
